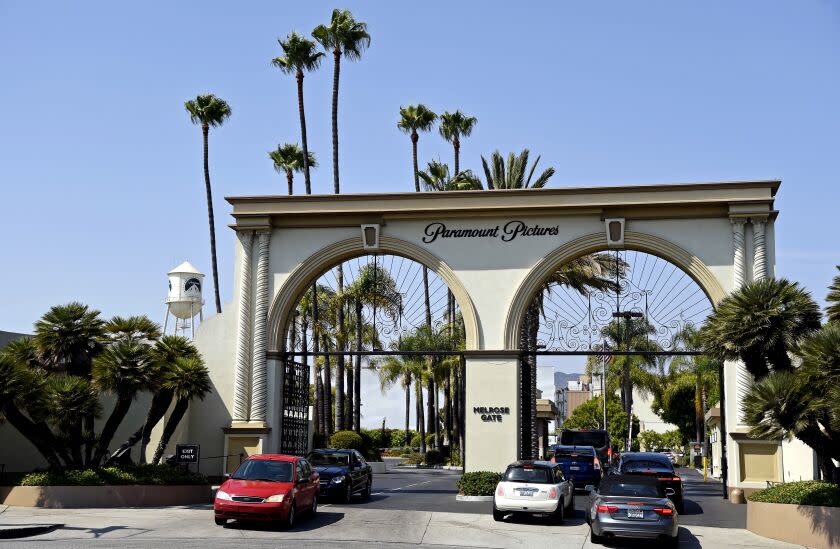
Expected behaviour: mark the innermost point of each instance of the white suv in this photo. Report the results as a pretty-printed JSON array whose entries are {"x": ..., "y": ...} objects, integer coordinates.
[{"x": 534, "y": 488}]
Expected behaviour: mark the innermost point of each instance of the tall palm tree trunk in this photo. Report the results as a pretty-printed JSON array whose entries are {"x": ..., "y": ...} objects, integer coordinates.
[
  {"x": 119, "y": 412},
  {"x": 357, "y": 376},
  {"x": 407, "y": 409},
  {"x": 290, "y": 177},
  {"x": 205, "y": 130},
  {"x": 698, "y": 409},
  {"x": 339, "y": 369},
  {"x": 41, "y": 438},
  {"x": 304, "y": 143},
  {"x": 336, "y": 71},
  {"x": 456, "y": 144},
  {"x": 348, "y": 399},
  {"x": 447, "y": 406},
  {"x": 329, "y": 417},
  {"x": 169, "y": 428},
  {"x": 430, "y": 405},
  {"x": 414, "y": 138},
  {"x": 316, "y": 347},
  {"x": 421, "y": 428},
  {"x": 436, "y": 414}
]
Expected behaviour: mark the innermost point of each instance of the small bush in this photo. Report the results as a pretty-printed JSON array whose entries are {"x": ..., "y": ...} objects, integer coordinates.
[
  {"x": 414, "y": 458},
  {"x": 415, "y": 440},
  {"x": 398, "y": 438},
  {"x": 159, "y": 475},
  {"x": 433, "y": 457},
  {"x": 347, "y": 440},
  {"x": 478, "y": 483},
  {"x": 806, "y": 492},
  {"x": 455, "y": 456}
]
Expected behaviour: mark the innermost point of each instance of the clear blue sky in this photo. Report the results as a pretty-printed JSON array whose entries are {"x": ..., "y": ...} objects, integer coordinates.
[{"x": 100, "y": 170}]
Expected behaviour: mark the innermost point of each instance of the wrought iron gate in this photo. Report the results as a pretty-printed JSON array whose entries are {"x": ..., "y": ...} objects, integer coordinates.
[{"x": 294, "y": 437}]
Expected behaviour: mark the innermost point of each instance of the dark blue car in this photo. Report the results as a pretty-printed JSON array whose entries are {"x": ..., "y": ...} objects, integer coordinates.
[
  {"x": 343, "y": 473},
  {"x": 579, "y": 463}
]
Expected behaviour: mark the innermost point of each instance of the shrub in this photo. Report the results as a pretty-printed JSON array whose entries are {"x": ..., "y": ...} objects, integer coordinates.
[
  {"x": 455, "y": 456},
  {"x": 160, "y": 475},
  {"x": 806, "y": 492},
  {"x": 414, "y": 458},
  {"x": 398, "y": 438},
  {"x": 478, "y": 483},
  {"x": 433, "y": 457},
  {"x": 347, "y": 439},
  {"x": 415, "y": 440}
]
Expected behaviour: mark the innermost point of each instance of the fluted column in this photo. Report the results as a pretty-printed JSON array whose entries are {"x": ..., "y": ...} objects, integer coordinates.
[
  {"x": 760, "y": 248},
  {"x": 258, "y": 359},
  {"x": 243, "y": 331},
  {"x": 739, "y": 270}
]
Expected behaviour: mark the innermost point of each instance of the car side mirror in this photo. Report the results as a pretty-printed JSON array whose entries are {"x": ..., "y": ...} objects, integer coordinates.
[
  {"x": 589, "y": 488},
  {"x": 670, "y": 491},
  {"x": 226, "y": 476}
]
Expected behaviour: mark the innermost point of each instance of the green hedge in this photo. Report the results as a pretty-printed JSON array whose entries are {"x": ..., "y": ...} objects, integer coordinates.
[
  {"x": 347, "y": 439},
  {"x": 159, "y": 475},
  {"x": 478, "y": 483},
  {"x": 806, "y": 492},
  {"x": 433, "y": 457}
]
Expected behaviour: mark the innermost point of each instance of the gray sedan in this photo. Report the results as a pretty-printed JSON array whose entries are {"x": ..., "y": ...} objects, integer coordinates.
[{"x": 631, "y": 506}]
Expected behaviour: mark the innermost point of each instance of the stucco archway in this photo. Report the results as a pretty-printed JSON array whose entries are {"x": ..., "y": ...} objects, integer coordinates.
[
  {"x": 325, "y": 258},
  {"x": 597, "y": 242}
]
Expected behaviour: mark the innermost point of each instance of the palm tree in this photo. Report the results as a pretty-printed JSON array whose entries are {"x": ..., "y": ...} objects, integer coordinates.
[
  {"x": 833, "y": 299},
  {"x": 164, "y": 353},
  {"x": 374, "y": 288},
  {"x": 344, "y": 36},
  {"x": 133, "y": 328},
  {"x": 72, "y": 399},
  {"x": 399, "y": 368},
  {"x": 436, "y": 178},
  {"x": 513, "y": 176},
  {"x": 759, "y": 324},
  {"x": 415, "y": 119},
  {"x": 188, "y": 378},
  {"x": 299, "y": 56},
  {"x": 122, "y": 369},
  {"x": 209, "y": 111},
  {"x": 288, "y": 159},
  {"x": 453, "y": 126}
]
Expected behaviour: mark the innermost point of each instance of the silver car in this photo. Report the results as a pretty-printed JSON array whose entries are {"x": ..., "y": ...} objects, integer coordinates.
[{"x": 631, "y": 506}]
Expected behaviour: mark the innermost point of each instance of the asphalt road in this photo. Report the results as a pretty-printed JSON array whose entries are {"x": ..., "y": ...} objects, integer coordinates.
[{"x": 424, "y": 490}]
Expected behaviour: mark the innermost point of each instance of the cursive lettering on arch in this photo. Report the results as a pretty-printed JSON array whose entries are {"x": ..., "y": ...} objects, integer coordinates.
[{"x": 508, "y": 232}]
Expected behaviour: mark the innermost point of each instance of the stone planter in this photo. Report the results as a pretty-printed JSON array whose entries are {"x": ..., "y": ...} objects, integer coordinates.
[
  {"x": 377, "y": 467},
  {"x": 798, "y": 524},
  {"x": 60, "y": 497}
]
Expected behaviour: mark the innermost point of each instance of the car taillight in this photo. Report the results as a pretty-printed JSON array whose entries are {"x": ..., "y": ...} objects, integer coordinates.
[
  {"x": 664, "y": 511},
  {"x": 675, "y": 479},
  {"x": 609, "y": 452},
  {"x": 596, "y": 464},
  {"x": 552, "y": 493},
  {"x": 606, "y": 509},
  {"x": 500, "y": 491}
]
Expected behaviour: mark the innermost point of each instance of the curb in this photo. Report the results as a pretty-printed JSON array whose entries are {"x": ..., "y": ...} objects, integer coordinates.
[
  {"x": 459, "y": 497},
  {"x": 13, "y": 532}
]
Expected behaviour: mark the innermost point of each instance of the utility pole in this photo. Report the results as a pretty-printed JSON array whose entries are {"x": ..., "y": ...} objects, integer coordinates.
[{"x": 628, "y": 392}]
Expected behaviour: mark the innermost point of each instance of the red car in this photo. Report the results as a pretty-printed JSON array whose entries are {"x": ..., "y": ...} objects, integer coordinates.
[{"x": 268, "y": 487}]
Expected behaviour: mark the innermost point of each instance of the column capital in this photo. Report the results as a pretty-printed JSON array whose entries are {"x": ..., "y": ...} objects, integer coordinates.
[
  {"x": 759, "y": 219},
  {"x": 738, "y": 220}
]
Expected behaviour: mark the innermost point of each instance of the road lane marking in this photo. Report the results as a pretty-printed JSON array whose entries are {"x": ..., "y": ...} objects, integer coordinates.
[{"x": 389, "y": 490}]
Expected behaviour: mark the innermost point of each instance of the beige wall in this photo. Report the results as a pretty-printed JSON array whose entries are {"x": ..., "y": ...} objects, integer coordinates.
[{"x": 491, "y": 445}]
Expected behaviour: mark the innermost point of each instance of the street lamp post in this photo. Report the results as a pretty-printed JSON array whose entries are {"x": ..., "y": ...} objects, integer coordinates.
[{"x": 628, "y": 395}]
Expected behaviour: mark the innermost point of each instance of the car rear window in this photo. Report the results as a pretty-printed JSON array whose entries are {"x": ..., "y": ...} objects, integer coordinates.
[
  {"x": 598, "y": 439},
  {"x": 567, "y": 451},
  {"x": 636, "y": 465},
  {"x": 528, "y": 473},
  {"x": 630, "y": 489}
]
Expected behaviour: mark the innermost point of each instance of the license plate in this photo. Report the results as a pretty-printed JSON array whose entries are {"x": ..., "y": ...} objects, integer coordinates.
[
  {"x": 635, "y": 513},
  {"x": 526, "y": 491},
  {"x": 574, "y": 468}
]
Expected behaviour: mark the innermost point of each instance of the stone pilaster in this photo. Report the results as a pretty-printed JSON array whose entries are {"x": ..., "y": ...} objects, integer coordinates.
[
  {"x": 258, "y": 358},
  {"x": 760, "y": 248},
  {"x": 243, "y": 331},
  {"x": 739, "y": 264}
]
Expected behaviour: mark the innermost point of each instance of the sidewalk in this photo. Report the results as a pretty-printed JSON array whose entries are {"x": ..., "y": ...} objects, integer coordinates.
[{"x": 162, "y": 527}]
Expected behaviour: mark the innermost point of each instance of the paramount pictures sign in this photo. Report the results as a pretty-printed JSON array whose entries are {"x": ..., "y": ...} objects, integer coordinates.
[{"x": 508, "y": 232}]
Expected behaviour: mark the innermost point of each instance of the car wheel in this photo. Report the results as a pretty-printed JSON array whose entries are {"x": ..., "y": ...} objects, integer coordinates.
[
  {"x": 498, "y": 516},
  {"x": 221, "y": 522},
  {"x": 314, "y": 504},
  {"x": 348, "y": 494},
  {"x": 366, "y": 492},
  {"x": 560, "y": 513},
  {"x": 290, "y": 518}
]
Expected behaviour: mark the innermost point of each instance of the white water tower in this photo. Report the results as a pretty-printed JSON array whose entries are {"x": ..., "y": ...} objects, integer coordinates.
[{"x": 184, "y": 300}]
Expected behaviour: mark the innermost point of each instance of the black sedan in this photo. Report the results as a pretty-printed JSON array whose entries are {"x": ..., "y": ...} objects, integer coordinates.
[
  {"x": 343, "y": 473},
  {"x": 657, "y": 466}
]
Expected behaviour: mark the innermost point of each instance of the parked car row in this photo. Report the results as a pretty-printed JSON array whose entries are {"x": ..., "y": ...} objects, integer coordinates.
[
  {"x": 274, "y": 487},
  {"x": 638, "y": 496}
]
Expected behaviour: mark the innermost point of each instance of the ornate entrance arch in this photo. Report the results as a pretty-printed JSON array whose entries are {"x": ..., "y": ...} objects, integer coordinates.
[
  {"x": 597, "y": 242},
  {"x": 325, "y": 258}
]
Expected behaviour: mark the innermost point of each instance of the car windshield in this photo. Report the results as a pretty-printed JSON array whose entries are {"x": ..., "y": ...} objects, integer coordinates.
[
  {"x": 646, "y": 464},
  {"x": 266, "y": 470},
  {"x": 527, "y": 473},
  {"x": 329, "y": 458},
  {"x": 598, "y": 439},
  {"x": 630, "y": 489}
]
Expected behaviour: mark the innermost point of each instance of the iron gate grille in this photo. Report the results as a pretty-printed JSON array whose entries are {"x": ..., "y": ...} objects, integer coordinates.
[{"x": 294, "y": 439}]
